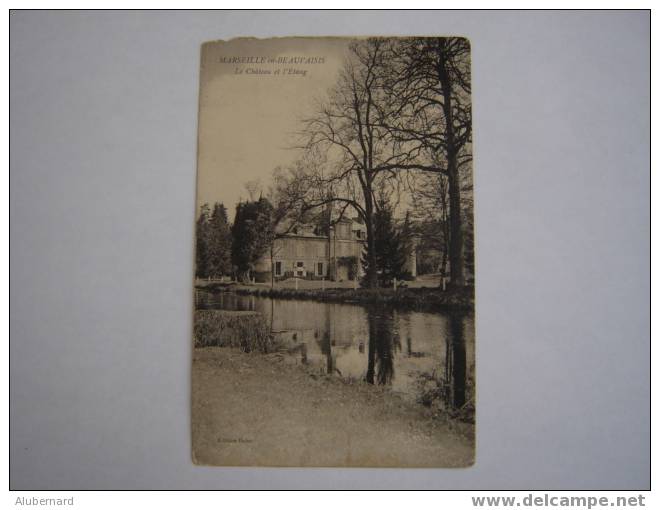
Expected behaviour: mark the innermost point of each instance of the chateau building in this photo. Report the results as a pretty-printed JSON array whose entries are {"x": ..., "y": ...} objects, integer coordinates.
[{"x": 306, "y": 253}]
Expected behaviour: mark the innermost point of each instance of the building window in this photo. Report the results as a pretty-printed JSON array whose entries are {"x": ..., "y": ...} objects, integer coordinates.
[
  {"x": 278, "y": 268},
  {"x": 300, "y": 264},
  {"x": 319, "y": 269}
]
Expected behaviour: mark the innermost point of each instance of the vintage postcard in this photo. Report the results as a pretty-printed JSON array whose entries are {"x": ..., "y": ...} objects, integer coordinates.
[{"x": 334, "y": 271}]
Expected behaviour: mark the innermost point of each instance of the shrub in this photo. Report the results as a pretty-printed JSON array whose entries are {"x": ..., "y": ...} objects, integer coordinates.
[{"x": 219, "y": 328}]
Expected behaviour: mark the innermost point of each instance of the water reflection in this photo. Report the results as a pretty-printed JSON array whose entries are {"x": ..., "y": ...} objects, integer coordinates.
[
  {"x": 428, "y": 357},
  {"x": 455, "y": 365},
  {"x": 383, "y": 342}
]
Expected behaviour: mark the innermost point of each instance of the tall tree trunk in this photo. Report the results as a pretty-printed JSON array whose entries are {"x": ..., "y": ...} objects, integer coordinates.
[
  {"x": 371, "y": 356},
  {"x": 272, "y": 266},
  {"x": 456, "y": 262},
  {"x": 456, "y": 259},
  {"x": 445, "y": 226},
  {"x": 443, "y": 262},
  {"x": 458, "y": 360},
  {"x": 372, "y": 274}
]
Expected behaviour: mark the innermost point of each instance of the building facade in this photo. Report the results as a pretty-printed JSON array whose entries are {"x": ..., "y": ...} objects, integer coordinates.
[{"x": 306, "y": 253}]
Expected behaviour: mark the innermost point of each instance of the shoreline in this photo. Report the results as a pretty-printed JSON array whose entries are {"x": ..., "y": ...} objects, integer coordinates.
[
  {"x": 418, "y": 299},
  {"x": 283, "y": 414}
]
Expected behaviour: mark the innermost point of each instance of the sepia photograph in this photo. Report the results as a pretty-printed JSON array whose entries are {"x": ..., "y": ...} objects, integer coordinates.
[
  {"x": 334, "y": 254},
  {"x": 332, "y": 250}
]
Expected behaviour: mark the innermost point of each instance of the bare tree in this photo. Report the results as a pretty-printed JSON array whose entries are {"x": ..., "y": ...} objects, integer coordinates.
[
  {"x": 400, "y": 107},
  {"x": 350, "y": 156},
  {"x": 429, "y": 112},
  {"x": 430, "y": 200},
  {"x": 287, "y": 213}
]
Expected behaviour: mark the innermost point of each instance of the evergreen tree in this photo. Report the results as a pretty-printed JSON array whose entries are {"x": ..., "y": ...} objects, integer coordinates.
[
  {"x": 407, "y": 245},
  {"x": 201, "y": 243},
  {"x": 219, "y": 242},
  {"x": 390, "y": 254},
  {"x": 252, "y": 235}
]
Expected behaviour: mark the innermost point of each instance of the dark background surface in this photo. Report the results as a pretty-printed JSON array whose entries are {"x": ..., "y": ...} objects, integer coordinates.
[{"x": 103, "y": 147}]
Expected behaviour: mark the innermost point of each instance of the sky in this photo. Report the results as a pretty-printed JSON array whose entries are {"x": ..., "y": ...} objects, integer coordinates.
[{"x": 248, "y": 117}]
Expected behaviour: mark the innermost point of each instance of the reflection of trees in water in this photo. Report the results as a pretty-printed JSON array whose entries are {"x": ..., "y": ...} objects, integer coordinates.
[
  {"x": 326, "y": 349},
  {"x": 383, "y": 342},
  {"x": 451, "y": 382},
  {"x": 455, "y": 364},
  {"x": 205, "y": 300},
  {"x": 326, "y": 342},
  {"x": 404, "y": 322}
]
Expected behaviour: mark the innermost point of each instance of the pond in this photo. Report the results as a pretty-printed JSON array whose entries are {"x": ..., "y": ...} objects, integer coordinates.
[{"x": 426, "y": 357}]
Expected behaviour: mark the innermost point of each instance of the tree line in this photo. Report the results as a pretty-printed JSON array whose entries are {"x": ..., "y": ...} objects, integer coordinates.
[
  {"x": 226, "y": 249},
  {"x": 398, "y": 118}
]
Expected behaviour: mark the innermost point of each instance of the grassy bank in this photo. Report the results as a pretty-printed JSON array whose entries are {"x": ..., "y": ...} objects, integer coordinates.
[
  {"x": 251, "y": 410},
  {"x": 412, "y": 298},
  {"x": 248, "y": 331}
]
